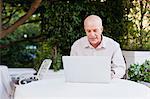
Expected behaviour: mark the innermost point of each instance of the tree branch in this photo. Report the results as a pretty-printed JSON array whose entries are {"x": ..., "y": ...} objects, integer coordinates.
[{"x": 21, "y": 20}]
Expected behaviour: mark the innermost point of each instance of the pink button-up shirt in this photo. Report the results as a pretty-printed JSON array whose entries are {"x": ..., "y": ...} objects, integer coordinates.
[{"x": 108, "y": 47}]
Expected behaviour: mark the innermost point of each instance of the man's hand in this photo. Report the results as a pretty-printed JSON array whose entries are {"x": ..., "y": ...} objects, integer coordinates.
[{"x": 112, "y": 74}]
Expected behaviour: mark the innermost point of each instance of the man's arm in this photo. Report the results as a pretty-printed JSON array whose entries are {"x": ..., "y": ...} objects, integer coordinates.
[
  {"x": 73, "y": 50},
  {"x": 118, "y": 64}
]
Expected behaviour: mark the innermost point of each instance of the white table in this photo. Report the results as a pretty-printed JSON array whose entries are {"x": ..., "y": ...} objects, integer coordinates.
[{"x": 57, "y": 88}]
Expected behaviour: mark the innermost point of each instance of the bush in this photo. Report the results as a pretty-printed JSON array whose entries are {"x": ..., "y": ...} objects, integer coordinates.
[{"x": 138, "y": 72}]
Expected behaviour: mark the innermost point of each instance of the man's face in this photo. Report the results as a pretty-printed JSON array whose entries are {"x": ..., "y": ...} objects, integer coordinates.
[{"x": 93, "y": 31}]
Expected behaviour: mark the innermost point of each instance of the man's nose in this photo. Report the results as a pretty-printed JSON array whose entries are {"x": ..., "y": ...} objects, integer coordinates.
[{"x": 92, "y": 34}]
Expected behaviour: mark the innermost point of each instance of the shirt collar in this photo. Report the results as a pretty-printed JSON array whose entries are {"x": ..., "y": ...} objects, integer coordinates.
[{"x": 102, "y": 44}]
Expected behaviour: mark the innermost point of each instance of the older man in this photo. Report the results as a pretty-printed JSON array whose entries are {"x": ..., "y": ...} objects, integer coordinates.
[{"x": 95, "y": 44}]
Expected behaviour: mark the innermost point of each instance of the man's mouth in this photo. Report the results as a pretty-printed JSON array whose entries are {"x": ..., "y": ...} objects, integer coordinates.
[{"x": 92, "y": 38}]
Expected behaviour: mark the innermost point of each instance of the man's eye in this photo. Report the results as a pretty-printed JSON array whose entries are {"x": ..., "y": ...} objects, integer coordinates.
[
  {"x": 95, "y": 30},
  {"x": 88, "y": 30}
]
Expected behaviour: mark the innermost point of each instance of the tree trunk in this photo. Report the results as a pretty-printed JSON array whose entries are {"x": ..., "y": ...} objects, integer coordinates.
[{"x": 21, "y": 20}]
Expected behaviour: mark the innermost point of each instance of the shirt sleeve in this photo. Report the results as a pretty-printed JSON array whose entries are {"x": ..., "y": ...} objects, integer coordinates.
[
  {"x": 73, "y": 51},
  {"x": 118, "y": 63}
]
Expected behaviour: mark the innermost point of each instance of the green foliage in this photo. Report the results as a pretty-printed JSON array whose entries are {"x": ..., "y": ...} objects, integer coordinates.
[
  {"x": 17, "y": 54},
  {"x": 137, "y": 36},
  {"x": 64, "y": 20},
  {"x": 138, "y": 72},
  {"x": 12, "y": 10},
  {"x": 57, "y": 62},
  {"x": 48, "y": 49},
  {"x": 42, "y": 52}
]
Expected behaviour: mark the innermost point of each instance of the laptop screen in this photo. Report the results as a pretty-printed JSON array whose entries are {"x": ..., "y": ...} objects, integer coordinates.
[{"x": 88, "y": 69}]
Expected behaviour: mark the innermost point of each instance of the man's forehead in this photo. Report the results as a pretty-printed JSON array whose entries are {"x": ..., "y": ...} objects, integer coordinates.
[
  {"x": 93, "y": 20},
  {"x": 92, "y": 24}
]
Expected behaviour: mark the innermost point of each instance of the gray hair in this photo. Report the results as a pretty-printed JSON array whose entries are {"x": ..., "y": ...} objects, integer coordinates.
[{"x": 93, "y": 18}]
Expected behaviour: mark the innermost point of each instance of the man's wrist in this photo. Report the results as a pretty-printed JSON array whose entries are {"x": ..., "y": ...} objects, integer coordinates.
[{"x": 113, "y": 72}]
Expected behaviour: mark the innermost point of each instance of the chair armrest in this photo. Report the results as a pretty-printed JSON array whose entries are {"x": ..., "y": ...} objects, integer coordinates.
[{"x": 24, "y": 79}]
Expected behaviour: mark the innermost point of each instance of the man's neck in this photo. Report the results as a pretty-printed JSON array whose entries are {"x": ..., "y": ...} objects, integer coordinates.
[{"x": 96, "y": 45}]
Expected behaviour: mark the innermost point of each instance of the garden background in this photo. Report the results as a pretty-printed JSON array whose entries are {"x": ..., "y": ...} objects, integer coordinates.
[{"x": 52, "y": 28}]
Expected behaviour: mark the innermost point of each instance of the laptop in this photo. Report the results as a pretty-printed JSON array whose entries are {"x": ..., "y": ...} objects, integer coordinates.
[{"x": 87, "y": 69}]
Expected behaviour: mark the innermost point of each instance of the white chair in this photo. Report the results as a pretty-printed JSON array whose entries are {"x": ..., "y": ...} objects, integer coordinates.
[
  {"x": 26, "y": 78},
  {"x": 7, "y": 87}
]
